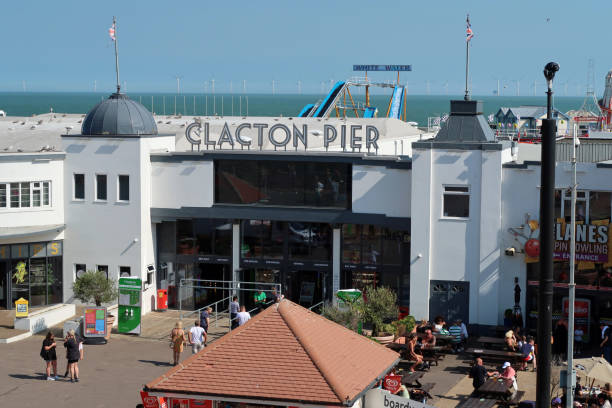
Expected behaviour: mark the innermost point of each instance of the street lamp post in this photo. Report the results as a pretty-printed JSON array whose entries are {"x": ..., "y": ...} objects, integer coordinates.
[{"x": 547, "y": 208}]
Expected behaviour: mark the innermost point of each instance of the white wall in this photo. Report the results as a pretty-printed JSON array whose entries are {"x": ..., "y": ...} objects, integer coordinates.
[
  {"x": 381, "y": 190},
  {"x": 184, "y": 184},
  {"x": 20, "y": 167},
  {"x": 456, "y": 249}
]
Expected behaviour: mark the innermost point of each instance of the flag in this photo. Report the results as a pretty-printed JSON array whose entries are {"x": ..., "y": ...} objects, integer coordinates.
[
  {"x": 444, "y": 117},
  {"x": 111, "y": 32},
  {"x": 490, "y": 118},
  {"x": 468, "y": 31},
  {"x": 436, "y": 121}
]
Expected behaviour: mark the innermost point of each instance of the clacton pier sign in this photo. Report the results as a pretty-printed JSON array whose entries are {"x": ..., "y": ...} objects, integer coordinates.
[{"x": 247, "y": 134}]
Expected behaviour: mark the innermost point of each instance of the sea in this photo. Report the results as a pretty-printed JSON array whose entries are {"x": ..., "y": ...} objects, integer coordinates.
[{"x": 418, "y": 107}]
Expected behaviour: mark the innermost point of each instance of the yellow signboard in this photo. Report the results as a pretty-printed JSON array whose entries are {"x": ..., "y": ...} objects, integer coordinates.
[{"x": 21, "y": 308}]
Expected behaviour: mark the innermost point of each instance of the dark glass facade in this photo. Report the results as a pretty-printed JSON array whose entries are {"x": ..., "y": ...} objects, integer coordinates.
[
  {"x": 31, "y": 271},
  {"x": 283, "y": 183}
]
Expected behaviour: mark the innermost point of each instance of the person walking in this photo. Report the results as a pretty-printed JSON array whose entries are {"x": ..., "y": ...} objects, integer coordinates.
[
  {"x": 177, "y": 341},
  {"x": 73, "y": 355},
  {"x": 197, "y": 338},
  {"x": 49, "y": 354},
  {"x": 243, "y": 316},
  {"x": 606, "y": 342},
  {"x": 234, "y": 309},
  {"x": 205, "y": 318}
]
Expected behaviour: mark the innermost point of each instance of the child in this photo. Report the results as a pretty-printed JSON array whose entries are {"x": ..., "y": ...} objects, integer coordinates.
[{"x": 527, "y": 349}]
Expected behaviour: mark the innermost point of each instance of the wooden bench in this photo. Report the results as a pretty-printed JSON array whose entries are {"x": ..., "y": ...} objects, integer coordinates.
[
  {"x": 474, "y": 402},
  {"x": 496, "y": 354},
  {"x": 518, "y": 396}
]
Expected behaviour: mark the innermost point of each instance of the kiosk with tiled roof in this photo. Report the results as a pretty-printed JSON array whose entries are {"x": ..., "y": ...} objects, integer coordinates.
[{"x": 286, "y": 356}]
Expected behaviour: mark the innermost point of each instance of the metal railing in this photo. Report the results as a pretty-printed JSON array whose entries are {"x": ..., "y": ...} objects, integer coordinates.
[
  {"x": 212, "y": 305},
  {"x": 316, "y": 305}
]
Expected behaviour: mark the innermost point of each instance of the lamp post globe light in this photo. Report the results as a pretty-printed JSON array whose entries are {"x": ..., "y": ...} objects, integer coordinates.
[{"x": 547, "y": 202}]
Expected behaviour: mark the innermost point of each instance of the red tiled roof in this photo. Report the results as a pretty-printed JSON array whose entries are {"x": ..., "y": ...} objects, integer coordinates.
[{"x": 286, "y": 353}]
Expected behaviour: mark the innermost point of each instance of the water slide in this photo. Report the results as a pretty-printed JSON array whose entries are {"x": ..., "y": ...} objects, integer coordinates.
[
  {"x": 370, "y": 112},
  {"x": 306, "y": 110},
  {"x": 397, "y": 102},
  {"x": 329, "y": 102}
]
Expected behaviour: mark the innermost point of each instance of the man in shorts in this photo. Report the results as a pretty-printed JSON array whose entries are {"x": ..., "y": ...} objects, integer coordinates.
[{"x": 197, "y": 337}]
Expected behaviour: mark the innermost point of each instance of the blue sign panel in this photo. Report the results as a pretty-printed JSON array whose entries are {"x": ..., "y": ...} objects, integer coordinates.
[{"x": 382, "y": 68}]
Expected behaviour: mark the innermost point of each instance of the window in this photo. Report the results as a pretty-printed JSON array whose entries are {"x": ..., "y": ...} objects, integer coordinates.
[
  {"x": 125, "y": 272},
  {"x": 79, "y": 186},
  {"x": 124, "y": 187},
  {"x": 101, "y": 194},
  {"x": 103, "y": 268},
  {"x": 27, "y": 194},
  {"x": 456, "y": 201},
  {"x": 79, "y": 269}
]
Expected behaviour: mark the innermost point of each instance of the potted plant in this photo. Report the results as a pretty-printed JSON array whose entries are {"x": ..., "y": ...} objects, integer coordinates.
[
  {"x": 380, "y": 308},
  {"x": 348, "y": 317},
  {"x": 94, "y": 286}
]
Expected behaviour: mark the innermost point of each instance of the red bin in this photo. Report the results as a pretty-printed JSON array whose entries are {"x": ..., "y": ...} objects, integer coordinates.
[{"x": 162, "y": 299}]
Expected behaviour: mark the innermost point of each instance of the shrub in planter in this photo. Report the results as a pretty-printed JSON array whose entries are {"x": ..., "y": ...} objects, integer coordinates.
[
  {"x": 403, "y": 326},
  {"x": 347, "y": 317},
  {"x": 94, "y": 287},
  {"x": 381, "y": 305}
]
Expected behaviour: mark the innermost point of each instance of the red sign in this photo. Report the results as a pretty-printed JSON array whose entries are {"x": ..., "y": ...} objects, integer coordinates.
[
  {"x": 582, "y": 314},
  {"x": 150, "y": 401},
  {"x": 392, "y": 383}
]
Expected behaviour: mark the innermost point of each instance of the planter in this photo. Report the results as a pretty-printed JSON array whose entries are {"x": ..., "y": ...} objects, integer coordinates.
[
  {"x": 110, "y": 320},
  {"x": 384, "y": 338},
  {"x": 367, "y": 332}
]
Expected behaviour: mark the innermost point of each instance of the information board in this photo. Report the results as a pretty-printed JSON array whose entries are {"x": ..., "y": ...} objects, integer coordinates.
[
  {"x": 130, "y": 305},
  {"x": 95, "y": 322}
]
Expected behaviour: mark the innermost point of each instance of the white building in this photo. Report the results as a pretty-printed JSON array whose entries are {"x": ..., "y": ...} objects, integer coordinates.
[{"x": 312, "y": 204}]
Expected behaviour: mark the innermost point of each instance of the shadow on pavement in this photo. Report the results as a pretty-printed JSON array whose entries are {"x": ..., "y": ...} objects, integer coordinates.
[
  {"x": 40, "y": 376},
  {"x": 157, "y": 363}
]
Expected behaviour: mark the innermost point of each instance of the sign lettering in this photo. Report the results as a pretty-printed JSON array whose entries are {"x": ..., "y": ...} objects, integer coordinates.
[
  {"x": 382, "y": 68},
  {"x": 591, "y": 242},
  {"x": 354, "y": 137}
]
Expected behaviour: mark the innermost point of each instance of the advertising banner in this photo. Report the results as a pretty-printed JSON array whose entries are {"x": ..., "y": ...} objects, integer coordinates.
[
  {"x": 95, "y": 322},
  {"x": 130, "y": 305},
  {"x": 150, "y": 401},
  {"x": 392, "y": 383},
  {"x": 591, "y": 242},
  {"x": 377, "y": 398},
  {"x": 582, "y": 314}
]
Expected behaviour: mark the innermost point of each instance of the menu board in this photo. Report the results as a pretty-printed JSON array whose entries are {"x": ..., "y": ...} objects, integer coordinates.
[{"x": 95, "y": 322}]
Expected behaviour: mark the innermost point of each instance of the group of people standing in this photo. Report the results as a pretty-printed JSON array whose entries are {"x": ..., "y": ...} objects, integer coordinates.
[{"x": 74, "y": 353}]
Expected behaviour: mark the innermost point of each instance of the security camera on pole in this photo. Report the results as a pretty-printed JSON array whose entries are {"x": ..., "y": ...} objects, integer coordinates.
[{"x": 547, "y": 214}]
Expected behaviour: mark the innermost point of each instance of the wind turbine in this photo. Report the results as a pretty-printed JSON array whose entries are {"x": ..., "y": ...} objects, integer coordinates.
[
  {"x": 299, "y": 84},
  {"x": 178, "y": 84}
]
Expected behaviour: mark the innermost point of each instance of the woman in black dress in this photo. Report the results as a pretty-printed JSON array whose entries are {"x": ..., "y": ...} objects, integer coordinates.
[
  {"x": 48, "y": 353},
  {"x": 73, "y": 355}
]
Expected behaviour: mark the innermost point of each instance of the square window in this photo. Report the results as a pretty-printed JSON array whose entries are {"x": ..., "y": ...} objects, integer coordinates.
[
  {"x": 125, "y": 272},
  {"x": 46, "y": 193},
  {"x": 101, "y": 193},
  {"x": 79, "y": 269},
  {"x": 124, "y": 187},
  {"x": 103, "y": 268},
  {"x": 25, "y": 195},
  {"x": 79, "y": 186},
  {"x": 456, "y": 202}
]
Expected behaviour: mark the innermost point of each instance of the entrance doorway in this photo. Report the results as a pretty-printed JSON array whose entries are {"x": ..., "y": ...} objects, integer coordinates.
[
  {"x": 257, "y": 275},
  {"x": 449, "y": 299},
  {"x": 305, "y": 287},
  {"x": 209, "y": 273},
  {"x": 4, "y": 290}
]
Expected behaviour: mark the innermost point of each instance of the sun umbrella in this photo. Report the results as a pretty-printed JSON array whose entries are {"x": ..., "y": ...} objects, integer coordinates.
[{"x": 596, "y": 368}]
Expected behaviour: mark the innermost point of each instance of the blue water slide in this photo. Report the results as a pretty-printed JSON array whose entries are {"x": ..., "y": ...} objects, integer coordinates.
[
  {"x": 397, "y": 102},
  {"x": 370, "y": 112},
  {"x": 306, "y": 110},
  {"x": 329, "y": 100}
]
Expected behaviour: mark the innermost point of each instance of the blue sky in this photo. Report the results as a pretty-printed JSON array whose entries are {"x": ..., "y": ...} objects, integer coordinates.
[{"x": 64, "y": 45}]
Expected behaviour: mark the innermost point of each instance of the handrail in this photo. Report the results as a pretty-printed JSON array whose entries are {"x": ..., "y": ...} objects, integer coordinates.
[
  {"x": 204, "y": 307},
  {"x": 315, "y": 305}
]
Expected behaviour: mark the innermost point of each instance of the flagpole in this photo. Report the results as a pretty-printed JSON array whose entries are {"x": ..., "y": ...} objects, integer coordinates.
[
  {"x": 116, "y": 55},
  {"x": 467, "y": 63}
]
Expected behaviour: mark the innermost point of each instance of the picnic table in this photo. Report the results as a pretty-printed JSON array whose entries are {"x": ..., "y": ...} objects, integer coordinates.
[
  {"x": 499, "y": 388},
  {"x": 474, "y": 402},
  {"x": 442, "y": 337},
  {"x": 490, "y": 340},
  {"x": 411, "y": 379},
  {"x": 495, "y": 354}
]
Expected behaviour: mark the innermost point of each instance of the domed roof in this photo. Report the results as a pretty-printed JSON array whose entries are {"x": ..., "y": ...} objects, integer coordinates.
[{"x": 119, "y": 115}]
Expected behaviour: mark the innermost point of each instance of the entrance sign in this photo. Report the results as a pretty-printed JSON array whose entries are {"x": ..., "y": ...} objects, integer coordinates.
[
  {"x": 130, "y": 305},
  {"x": 377, "y": 398},
  {"x": 392, "y": 383},
  {"x": 95, "y": 322},
  {"x": 21, "y": 308},
  {"x": 393, "y": 68},
  {"x": 280, "y": 135}
]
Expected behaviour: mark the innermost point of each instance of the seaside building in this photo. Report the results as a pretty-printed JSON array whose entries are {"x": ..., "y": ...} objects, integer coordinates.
[{"x": 313, "y": 204}]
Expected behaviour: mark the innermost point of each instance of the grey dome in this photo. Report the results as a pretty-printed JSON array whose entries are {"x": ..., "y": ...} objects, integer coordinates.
[{"x": 119, "y": 115}]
